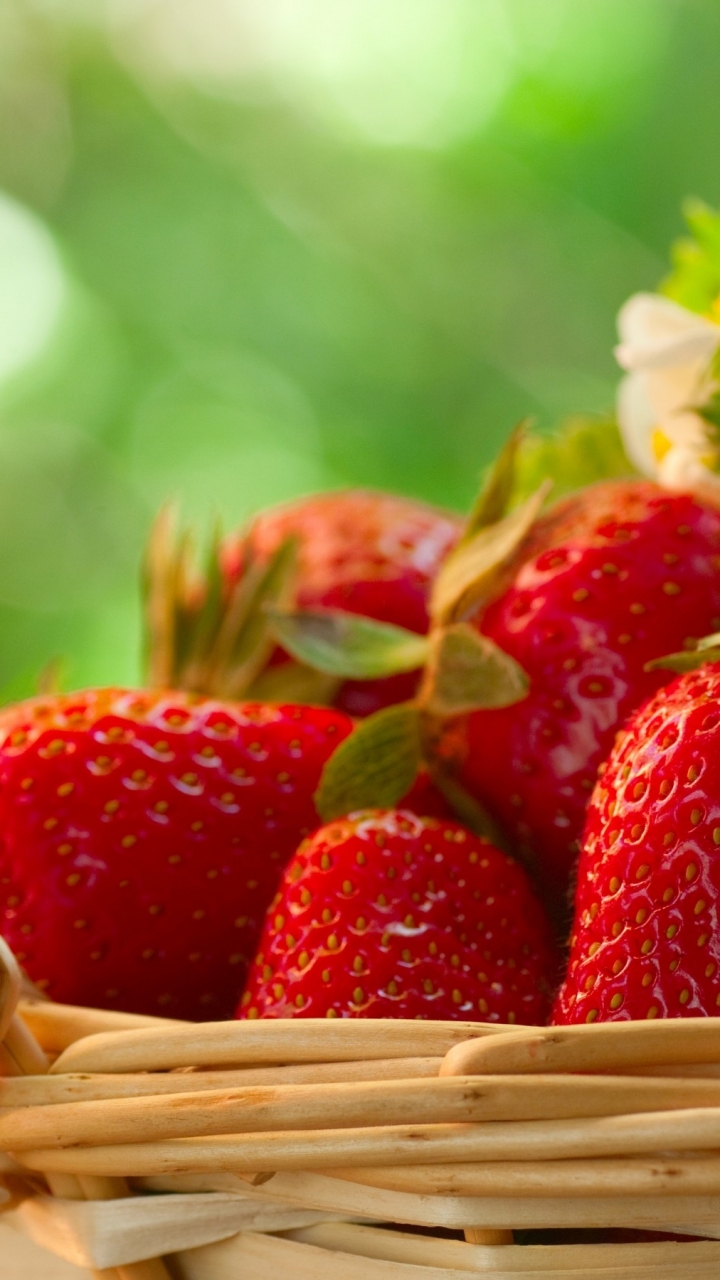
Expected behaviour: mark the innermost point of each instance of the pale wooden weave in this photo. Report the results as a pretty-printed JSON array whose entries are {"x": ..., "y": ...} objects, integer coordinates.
[{"x": 136, "y": 1148}]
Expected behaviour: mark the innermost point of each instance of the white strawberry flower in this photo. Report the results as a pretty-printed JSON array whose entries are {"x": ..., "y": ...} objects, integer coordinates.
[{"x": 666, "y": 401}]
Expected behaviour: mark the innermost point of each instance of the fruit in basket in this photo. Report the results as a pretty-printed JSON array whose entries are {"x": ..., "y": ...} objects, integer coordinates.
[
  {"x": 142, "y": 836},
  {"x": 383, "y": 914},
  {"x": 357, "y": 550},
  {"x": 566, "y": 609},
  {"x": 607, "y": 580},
  {"x": 645, "y": 941}
]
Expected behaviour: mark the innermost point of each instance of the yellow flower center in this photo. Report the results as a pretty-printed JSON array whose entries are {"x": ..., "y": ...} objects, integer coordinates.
[{"x": 660, "y": 444}]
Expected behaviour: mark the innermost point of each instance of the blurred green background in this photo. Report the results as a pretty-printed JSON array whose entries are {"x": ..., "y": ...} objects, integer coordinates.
[{"x": 250, "y": 248}]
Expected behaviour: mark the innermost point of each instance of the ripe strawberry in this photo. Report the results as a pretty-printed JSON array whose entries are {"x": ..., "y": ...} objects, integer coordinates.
[
  {"x": 384, "y": 914},
  {"x": 425, "y": 799},
  {"x": 364, "y": 552},
  {"x": 616, "y": 575},
  {"x": 645, "y": 940},
  {"x": 142, "y": 836}
]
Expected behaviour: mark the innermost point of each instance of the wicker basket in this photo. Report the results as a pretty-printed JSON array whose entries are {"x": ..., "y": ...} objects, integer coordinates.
[{"x": 349, "y": 1148}]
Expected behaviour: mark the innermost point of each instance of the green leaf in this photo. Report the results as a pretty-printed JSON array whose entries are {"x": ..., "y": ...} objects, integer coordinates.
[
  {"x": 473, "y": 571},
  {"x": 201, "y": 617},
  {"x": 694, "y": 281},
  {"x": 710, "y": 411},
  {"x": 705, "y": 650},
  {"x": 347, "y": 645},
  {"x": 687, "y": 660},
  {"x": 159, "y": 593},
  {"x": 709, "y": 642},
  {"x": 199, "y": 636},
  {"x": 51, "y": 679},
  {"x": 182, "y": 606},
  {"x": 293, "y": 682},
  {"x": 244, "y": 639},
  {"x": 375, "y": 766},
  {"x": 494, "y": 498},
  {"x": 469, "y": 672},
  {"x": 580, "y": 452}
]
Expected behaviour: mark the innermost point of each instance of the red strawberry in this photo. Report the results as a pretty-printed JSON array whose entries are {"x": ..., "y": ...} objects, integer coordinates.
[
  {"x": 424, "y": 799},
  {"x": 645, "y": 940},
  {"x": 364, "y": 552},
  {"x": 384, "y": 914},
  {"x": 608, "y": 579},
  {"x": 142, "y": 836}
]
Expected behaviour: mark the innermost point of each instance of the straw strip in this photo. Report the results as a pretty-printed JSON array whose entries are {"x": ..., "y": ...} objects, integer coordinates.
[
  {"x": 397, "y": 1246},
  {"x": 426, "y": 1251},
  {"x": 700, "y": 1215},
  {"x": 56, "y": 1026},
  {"x": 272, "y": 1041},
  {"x": 258, "y": 1109},
  {"x": 348, "y": 1149},
  {"x": 258, "y": 1257},
  {"x": 22, "y": 1053},
  {"x": 535, "y": 1142},
  {"x": 39, "y": 1091},
  {"x": 610, "y": 1046},
  {"x": 547, "y": 1178}
]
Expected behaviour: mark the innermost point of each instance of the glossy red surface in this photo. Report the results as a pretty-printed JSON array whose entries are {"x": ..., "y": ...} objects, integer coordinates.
[
  {"x": 387, "y": 915},
  {"x": 645, "y": 938},
  {"x": 611, "y": 578},
  {"x": 142, "y": 836}
]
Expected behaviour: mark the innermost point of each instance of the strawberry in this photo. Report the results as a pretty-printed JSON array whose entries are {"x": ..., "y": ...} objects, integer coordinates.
[
  {"x": 425, "y": 799},
  {"x": 364, "y": 552},
  {"x": 606, "y": 580},
  {"x": 142, "y": 836},
  {"x": 645, "y": 942},
  {"x": 542, "y": 626},
  {"x": 384, "y": 914}
]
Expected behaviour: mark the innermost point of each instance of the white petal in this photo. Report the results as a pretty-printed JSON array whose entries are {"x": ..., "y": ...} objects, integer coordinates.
[
  {"x": 673, "y": 392},
  {"x": 687, "y": 431},
  {"x": 637, "y": 420},
  {"x": 655, "y": 331},
  {"x": 682, "y": 471}
]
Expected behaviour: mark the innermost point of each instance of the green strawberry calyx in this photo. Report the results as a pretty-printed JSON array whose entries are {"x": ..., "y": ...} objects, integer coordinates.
[
  {"x": 206, "y": 637},
  {"x": 463, "y": 670},
  {"x": 347, "y": 645},
  {"x": 707, "y": 649}
]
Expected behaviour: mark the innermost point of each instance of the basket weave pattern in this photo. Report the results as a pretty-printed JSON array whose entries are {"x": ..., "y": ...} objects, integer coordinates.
[{"x": 295, "y": 1144}]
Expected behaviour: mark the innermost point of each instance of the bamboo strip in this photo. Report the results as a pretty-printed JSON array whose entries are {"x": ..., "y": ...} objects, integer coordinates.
[
  {"x": 116, "y": 1232},
  {"x": 39, "y": 1091},
  {"x": 547, "y": 1178},
  {"x": 253, "y": 1256},
  {"x": 683, "y": 1070},
  {"x": 104, "y": 1188},
  {"x": 22, "y": 1259},
  {"x": 548, "y": 1143},
  {"x": 392, "y": 1246},
  {"x": 429, "y": 1251},
  {"x": 10, "y": 986},
  {"x": 25, "y": 1055},
  {"x": 610, "y": 1046},
  {"x": 273, "y": 1041},
  {"x": 24, "y": 1049},
  {"x": 9, "y": 1168},
  {"x": 692, "y": 1215},
  {"x": 8, "y": 1066},
  {"x": 258, "y": 1257},
  {"x": 250, "y": 1110},
  {"x": 56, "y": 1026},
  {"x": 259, "y": 1110}
]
